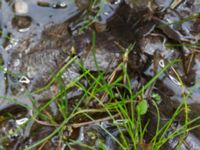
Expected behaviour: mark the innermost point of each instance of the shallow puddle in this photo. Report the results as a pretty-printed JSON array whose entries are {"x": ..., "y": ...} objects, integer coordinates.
[{"x": 39, "y": 37}]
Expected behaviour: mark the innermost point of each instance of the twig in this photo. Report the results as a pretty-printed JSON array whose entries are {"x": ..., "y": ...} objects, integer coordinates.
[
  {"x": 42, "y": 122},
  {"x": 111, "y": 78},
  {"x": 57, "y": 125},
  {"x": 42, "y": 146},
  {"x": 190, "y": 62},
  {"x": 78, "y": 125}
]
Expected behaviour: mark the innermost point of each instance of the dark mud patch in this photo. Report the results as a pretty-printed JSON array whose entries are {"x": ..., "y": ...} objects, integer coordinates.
[{"x": 38, "y": 38}]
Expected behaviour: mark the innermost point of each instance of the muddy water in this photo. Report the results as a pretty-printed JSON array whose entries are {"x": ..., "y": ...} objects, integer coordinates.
[
  {"x": 37, "y": 38},
  {"x": 36, "y": 43},
  {"x": 21, "y": 34}
]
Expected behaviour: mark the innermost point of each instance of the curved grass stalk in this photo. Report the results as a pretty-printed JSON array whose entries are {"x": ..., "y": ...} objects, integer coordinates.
[
  {"x": 56, "y": 76},
  {"x": 92, "y": 94},
  {"x": 153, "y": 141},
  {"x": 185, "y": 105},
  {"x": 178, "y": 132}
]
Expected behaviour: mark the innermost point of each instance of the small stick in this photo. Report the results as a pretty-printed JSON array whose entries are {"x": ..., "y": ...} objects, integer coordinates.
[
  {"x": 42, "y": 122},
  {"x": 78, "y": 125},
  {"x": 42, "y": 146},
  {"x": 190, "y": 62}
]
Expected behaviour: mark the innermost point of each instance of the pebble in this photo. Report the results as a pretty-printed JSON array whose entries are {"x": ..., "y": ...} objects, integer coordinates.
[{"x": 21, "y": 7}]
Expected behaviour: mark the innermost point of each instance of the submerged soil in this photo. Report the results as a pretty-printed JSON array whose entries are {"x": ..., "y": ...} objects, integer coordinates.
[{"x": 40, "y": 38}]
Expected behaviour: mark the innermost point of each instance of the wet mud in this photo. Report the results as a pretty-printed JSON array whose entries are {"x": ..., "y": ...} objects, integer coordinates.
[{"x": 37, "y": 38}]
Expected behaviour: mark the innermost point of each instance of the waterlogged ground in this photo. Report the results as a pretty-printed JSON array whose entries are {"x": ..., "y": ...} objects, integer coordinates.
[{"x": 39, "y": 37}]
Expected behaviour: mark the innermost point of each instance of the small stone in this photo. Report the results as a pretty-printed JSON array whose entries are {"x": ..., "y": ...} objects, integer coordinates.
[
  {"x": 21, "y": 22},
  {"x": 21, "y": 7}
]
